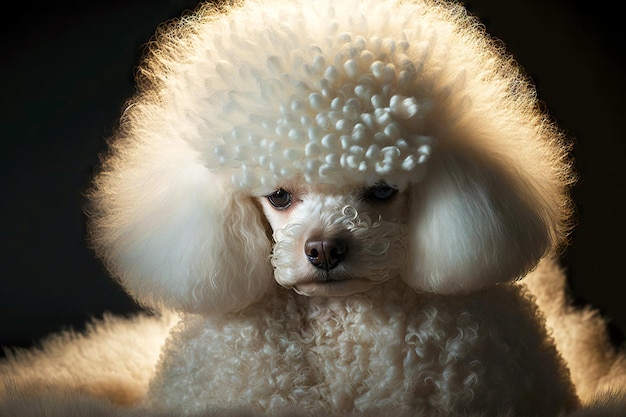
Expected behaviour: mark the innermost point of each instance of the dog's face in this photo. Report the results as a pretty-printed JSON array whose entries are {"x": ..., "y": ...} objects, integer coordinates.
[{"x": 331, "y": 242}]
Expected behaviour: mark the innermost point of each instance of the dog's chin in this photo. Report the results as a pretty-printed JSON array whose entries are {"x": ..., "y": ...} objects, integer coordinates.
[{"x": 333, "y": 288}]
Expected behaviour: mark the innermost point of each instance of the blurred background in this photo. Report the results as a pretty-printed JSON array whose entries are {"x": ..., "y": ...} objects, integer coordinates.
[{"x": 67, "y": 67}]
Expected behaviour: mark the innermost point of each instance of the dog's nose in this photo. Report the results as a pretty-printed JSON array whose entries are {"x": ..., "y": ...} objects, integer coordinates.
[{"x": 325, "y": 253}]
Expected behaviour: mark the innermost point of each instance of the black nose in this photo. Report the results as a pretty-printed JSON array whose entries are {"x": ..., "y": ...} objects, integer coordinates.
[{"x": 325, "y": 253}]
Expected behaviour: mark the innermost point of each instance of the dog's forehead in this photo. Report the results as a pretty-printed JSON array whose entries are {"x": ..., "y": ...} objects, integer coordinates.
[{"x": 345, "y": 110}]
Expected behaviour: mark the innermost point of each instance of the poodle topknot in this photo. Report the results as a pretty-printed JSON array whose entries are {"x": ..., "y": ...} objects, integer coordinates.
[{"x": 235, "y": 102}]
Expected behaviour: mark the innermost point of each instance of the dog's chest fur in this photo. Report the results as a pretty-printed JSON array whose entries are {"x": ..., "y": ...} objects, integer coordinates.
[{"x": 390, "y": 348}]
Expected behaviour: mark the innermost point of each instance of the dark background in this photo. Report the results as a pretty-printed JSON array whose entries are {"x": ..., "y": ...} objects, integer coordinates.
[{"x": 66, "y": 69}]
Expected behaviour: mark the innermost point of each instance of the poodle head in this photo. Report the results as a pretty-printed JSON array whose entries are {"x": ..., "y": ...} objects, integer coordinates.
[{"x": 328, "y": 148}]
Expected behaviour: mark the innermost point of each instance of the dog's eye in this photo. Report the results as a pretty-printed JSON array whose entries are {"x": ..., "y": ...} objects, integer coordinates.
[
  {"x": 280, "y": 199},
  {"x": 381, "y": 191}
]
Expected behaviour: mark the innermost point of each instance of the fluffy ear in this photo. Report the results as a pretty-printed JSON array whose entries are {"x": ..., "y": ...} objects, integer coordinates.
[
  {"x": 479, "y": 219},
  {"x": 175, "y": 235}
]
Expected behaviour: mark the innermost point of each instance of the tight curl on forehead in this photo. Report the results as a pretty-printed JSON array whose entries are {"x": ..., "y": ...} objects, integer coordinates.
[
  {"x": 339, "y": 119},
  {"x": 324, "y": 93}
]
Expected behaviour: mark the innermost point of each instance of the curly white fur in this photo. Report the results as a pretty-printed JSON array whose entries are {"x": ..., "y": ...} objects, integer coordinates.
[
  {"x": 387, "y": 349},
  {"x": 326, "y": 101}
]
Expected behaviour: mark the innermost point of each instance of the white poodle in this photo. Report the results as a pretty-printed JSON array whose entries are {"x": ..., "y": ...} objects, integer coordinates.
[{"x": 338, "y": 198}]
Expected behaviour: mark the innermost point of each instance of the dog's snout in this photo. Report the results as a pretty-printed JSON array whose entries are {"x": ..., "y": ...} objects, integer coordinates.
[{"x": 325, "y": 253}]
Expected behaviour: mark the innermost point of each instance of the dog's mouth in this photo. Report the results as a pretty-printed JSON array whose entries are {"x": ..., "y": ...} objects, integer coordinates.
[{"x": 332, "y": 285}]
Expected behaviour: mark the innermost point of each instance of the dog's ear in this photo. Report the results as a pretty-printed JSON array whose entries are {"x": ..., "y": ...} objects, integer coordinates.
[
  {"x": 480, "y": 218},
  {"x": 176, "y": 235}
]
